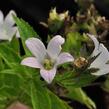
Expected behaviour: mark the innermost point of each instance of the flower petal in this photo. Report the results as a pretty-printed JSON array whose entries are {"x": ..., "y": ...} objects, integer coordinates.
[
  {"x": 31, "y": 62},
  {"x": 17, "y": 33},
  {"x": 96, "y": 44},
  {"x": 48, "y": 75},
  {"x": 7, "y": 33},
  {"x": 54, "y": 46},
  {"x": 64, "y": 57},
  {"x": 1, "y": 17},
  {"x": 104, "y": 69},
  {"x": 36, "y": 47},
  {"x": 102, "y": 58},
  {"x": 3, "y": 36},
  {"x": 9, "y": 18},
  {"x": 11, "y": 32}
]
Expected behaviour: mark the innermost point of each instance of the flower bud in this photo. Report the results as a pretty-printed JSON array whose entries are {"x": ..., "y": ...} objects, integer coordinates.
[{"x": 80, "y": 62}]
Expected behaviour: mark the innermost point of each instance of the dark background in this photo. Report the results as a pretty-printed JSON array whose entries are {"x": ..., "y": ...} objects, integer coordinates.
[
  {"x": 34, "y": 11},
  {"x": 37, "y": 10}
]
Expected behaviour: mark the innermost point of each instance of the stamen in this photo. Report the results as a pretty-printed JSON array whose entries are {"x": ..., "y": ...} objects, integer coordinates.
[{"x": 48, "y": 64}]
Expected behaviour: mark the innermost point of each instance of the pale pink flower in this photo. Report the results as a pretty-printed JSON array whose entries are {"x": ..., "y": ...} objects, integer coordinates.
[{"x": 46, "y": 59}]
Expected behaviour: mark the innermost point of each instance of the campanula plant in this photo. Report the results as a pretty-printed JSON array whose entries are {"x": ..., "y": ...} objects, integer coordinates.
[{"x": 33, "y": 76}]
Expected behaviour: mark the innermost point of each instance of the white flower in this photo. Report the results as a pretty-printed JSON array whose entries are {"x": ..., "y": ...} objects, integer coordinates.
[
  {"x": 103, "y": 57},
  {"x": 7, "y": 28},
  {"x": 46, "y": 59}
]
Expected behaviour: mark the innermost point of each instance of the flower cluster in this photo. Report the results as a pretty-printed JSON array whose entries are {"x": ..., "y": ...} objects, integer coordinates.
[
  {"x": 30, "y": 89},
  {"x": 47, "y": 60}
]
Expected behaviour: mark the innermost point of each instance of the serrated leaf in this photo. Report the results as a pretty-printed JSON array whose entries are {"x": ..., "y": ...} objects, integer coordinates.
[{"x": 26, "y": 31}]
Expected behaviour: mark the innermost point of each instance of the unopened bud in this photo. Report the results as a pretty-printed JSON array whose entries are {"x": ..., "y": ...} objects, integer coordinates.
[{"x": 80, "y": 62}]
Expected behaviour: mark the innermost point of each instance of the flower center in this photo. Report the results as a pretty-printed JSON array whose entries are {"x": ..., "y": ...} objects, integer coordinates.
[
  {"x": 81, "y": 62},
  {"x": 48, "y": 64}
]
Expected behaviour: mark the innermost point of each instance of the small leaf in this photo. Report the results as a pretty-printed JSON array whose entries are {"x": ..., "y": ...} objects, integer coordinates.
[{"x": 26, "y": 31}]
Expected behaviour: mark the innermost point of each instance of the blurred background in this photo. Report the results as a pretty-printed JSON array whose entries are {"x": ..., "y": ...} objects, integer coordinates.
[
  {"x": 34, "y": 11},
  {"x": 37, "y": 10}
]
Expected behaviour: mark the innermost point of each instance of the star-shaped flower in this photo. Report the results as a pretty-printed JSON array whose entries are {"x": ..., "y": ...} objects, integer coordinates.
[
  {"x": 101, "y": 62},
  {"x": 7, "y": 28},
  {"x": 46, "y": 59}
]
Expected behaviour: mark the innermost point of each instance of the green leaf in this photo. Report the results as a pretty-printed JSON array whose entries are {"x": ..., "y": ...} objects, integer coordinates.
[
  {"x": 23, "y": 72},
  {"x": 79, "y": 95},
  {"x": 14, "y": 85},
  {"x": 39, "y": 96},
  {"x": 10, "y": 79},
  {"x": 1, "y": 64},
  {"x": 10, "y": 84},
  {"x": 14, "y": 44},
  {"x": 56, "y": 102},
  {"x": 8, "y": 54},
  {"x": 26, "y": 31},
  {"x": 75, "y": 79}
]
